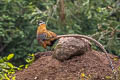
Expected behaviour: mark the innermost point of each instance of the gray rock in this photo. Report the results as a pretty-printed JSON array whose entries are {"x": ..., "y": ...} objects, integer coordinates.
[{"x": 69, "y": 47}]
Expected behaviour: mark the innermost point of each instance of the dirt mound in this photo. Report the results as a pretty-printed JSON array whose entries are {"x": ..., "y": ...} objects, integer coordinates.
[{"x": 91, "y": 63}]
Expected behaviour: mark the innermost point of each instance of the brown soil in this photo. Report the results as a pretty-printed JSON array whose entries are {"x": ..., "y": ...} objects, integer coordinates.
[{"x": 47, "y": 68}]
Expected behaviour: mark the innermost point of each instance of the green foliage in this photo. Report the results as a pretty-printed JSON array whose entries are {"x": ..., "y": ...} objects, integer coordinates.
[
  {"x": 17, "y": 33},
  {"x": 18, "y": 23},
  {"x": 29, "y": 59},
  {"x": 7, "y": 69}
]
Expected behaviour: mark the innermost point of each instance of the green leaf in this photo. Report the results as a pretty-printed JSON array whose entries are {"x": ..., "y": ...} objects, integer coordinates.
[
  {"x": 10, "y": 65},
  {"x": 1, "y": 60},
  {"x": 21, "y": 66},
  {"x": 26, "y": 66},
  {"x": 14, "y": 78},
  {"x": 10, "y": 56},
  {"x": 6, "y": 77}
]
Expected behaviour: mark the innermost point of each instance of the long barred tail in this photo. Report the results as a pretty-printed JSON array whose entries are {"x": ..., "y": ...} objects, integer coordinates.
[{"x": 95, "y": 41}]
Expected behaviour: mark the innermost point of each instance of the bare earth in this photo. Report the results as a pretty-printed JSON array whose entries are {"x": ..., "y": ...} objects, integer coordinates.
[{"x": 46, "y": 67}]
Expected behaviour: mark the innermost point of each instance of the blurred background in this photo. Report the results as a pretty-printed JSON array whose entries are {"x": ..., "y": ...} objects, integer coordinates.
[{"x": 99, "y": 19}]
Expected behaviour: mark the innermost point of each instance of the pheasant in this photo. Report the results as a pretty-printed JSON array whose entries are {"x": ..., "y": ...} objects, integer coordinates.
[{"x": 45, "y": 37}]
